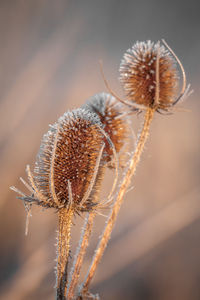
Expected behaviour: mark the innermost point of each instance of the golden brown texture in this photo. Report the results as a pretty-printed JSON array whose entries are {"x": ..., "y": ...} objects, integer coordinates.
[
  {"x": 69, "y": 152},
  {"x": 110, "y": 113},
  {"x": 138, "y": 75}
]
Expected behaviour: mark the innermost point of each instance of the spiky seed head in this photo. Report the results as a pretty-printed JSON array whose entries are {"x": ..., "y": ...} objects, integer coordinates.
[
  {"x": 138, "y": 75},
  {"x": 110, "y": 113},
  {"x": 79, "y": 141}
]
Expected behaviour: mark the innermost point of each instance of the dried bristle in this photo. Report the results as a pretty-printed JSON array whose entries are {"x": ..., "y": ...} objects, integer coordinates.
[
  {"x": 109, "y": 111},
  {"x": 79, "y": 141},
  {"x": 138, "y": 75}
]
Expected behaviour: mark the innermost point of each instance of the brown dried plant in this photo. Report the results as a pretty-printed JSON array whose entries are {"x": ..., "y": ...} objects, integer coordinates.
[
  {"x": 68, "y": 173},
  {"x": 76, "y": 150},
  {"x": 69, "y": 170},
  {"x": 116, "y": 127},
  {"x": 149, "y": 76}
]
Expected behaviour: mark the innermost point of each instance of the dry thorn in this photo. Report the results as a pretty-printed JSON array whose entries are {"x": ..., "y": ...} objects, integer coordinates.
[
  {"x": 26, "y": 185},
  {"x": 39, "y": 195}
]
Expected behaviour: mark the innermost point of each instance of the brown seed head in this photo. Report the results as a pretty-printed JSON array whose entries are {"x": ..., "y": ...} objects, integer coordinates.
[
  {"x": 145, "y": 67},
  {"x": 70, "y": 150},
  {"x": 110, "y": 113}
]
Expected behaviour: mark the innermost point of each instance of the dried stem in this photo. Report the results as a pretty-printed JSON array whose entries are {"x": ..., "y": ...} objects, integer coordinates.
[
  {"x": 65, "y": 221},
  {"x": 80, "y": 252},
  {"x": 115, "y": 210}
]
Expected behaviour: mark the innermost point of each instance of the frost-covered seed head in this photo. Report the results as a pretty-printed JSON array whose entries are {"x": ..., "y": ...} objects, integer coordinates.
[
  {"x": 138, "y": 75},
  {"x": 109, "y": 111},
  {"x": 79, "y": 141}
]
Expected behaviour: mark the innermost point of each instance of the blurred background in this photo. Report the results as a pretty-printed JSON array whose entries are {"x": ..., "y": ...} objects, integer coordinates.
[{"x": 49, "y": 63}]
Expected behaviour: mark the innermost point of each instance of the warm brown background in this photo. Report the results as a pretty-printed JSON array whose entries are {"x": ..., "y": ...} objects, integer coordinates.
[{"x": 49, "y": 53}]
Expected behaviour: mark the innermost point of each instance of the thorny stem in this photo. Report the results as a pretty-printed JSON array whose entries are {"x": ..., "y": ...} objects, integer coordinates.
[
  {"x": 81, "y": 249},
  {"x": 65, "y": 221},
  {"x": 115, "y": 210}
]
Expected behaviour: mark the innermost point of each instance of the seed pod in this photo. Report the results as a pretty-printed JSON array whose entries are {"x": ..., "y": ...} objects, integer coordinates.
[
  {"x": 68, "y": 173},
  {"x": 149, "y": 76},
  {"x": 116, "y": 126},
  {"x": 69, "y": 153},
  {"x": 70, "y": 163}
]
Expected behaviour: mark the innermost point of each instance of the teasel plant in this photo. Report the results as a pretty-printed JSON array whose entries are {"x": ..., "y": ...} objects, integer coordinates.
[
  {"x": 68, "y": 172},
  {"x": 149, "y": 77},
  {"x": 78, "y": 148},
  {"x": 111, "y": 114}
]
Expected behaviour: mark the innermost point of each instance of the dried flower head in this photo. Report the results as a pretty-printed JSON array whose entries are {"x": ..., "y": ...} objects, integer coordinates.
[
  {"x": 149, "y": 75},
  {"x": 67, "y": 177},
  {"x": 111, "y": 115},
  {"x": 70, "y": 163}
]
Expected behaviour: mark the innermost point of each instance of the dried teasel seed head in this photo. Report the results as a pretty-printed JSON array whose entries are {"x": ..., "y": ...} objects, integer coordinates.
[
  {"x": 111, "y": 115},
  {"x": 149, "y": 75},
  {"x": 68, "y": 159}
]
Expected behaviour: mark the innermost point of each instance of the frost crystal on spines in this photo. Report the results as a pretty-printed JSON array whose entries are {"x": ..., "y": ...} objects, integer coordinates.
[
  {"x": 138, "y": 74},
  {"x": 75, "y": 142},
  {"x": 110, "y": 113}
]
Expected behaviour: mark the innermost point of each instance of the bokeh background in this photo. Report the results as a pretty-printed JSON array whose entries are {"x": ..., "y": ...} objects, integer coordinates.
[{"x": 49, "y": 54}]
